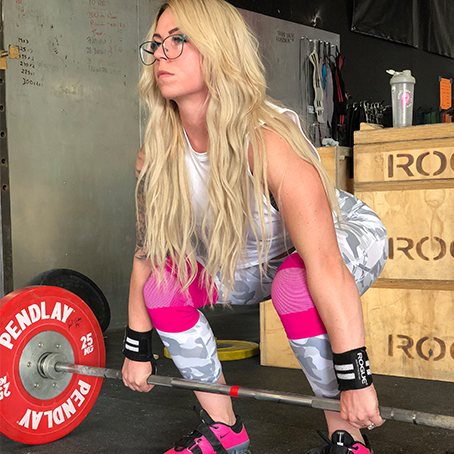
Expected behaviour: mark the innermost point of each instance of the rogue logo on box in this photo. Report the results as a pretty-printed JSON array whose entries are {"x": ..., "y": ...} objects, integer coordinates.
[
  {"x": 415, "y": 248},
  {"x": 424, "y": 164},
  {"x": 437, "y": 349}
]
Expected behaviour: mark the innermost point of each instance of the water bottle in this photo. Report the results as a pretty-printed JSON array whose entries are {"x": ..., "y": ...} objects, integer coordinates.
[{"x": 402, "y": 89}]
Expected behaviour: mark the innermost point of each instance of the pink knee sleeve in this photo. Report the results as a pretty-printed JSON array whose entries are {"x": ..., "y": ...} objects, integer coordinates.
[
  {"x": 293, "y": 302},
  {"x": 170, "y": 309}
]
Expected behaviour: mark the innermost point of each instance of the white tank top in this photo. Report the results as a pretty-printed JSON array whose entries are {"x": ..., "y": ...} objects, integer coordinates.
[{"x": 198, "y": 166}]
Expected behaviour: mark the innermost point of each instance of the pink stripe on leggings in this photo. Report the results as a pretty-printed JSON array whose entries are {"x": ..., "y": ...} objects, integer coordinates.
[
  {"x": 301, "y": 325},
  {"x": 172, "y": 310},
  {"x": 174, "y": 319}
]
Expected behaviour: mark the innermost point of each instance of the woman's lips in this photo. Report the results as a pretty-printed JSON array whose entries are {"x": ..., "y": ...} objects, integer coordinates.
[{"x": 164, "y": 74}]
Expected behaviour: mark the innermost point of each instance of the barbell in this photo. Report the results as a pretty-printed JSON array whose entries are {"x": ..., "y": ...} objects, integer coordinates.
[{"x": 52, "y": 367}]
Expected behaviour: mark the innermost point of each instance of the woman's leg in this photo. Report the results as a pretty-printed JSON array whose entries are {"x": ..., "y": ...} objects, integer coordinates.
[
  {"x": 307, "y": 335},
  {"x": 363, "y": 244},
  {"x": 188, "y": 337}
]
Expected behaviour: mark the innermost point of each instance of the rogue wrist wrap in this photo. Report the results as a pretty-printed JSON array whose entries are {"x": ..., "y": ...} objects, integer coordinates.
[
  {"x": 352, "y": 369},
  {"x": 137, "y": 346}
]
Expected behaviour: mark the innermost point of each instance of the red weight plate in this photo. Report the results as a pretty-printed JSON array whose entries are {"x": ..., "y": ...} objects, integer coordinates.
[{"x": 29, "y": 314}]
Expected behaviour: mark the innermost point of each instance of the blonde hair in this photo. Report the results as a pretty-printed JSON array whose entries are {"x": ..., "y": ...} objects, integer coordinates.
[{"x": 237, "y": 114}]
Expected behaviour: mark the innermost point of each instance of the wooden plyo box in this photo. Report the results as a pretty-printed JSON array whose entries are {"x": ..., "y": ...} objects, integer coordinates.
[
  {"x": 338, "y": 162},
  {"x": 409, "y": 332},
  {"x": 274, "y": 347},
  {"x": 406, "y": 175}
]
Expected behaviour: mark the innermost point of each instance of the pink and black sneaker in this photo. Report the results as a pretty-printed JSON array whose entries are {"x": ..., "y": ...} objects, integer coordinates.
[
  {"x": 342, "y": 443},
  {"x": 214, "y": 438}
]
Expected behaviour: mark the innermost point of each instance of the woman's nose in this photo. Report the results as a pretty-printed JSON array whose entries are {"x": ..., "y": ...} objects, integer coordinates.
[{"x": 159, "y": 53}]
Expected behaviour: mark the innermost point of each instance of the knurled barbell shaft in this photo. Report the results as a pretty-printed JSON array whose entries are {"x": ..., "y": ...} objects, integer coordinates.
[{"x": 395, "y": 414}]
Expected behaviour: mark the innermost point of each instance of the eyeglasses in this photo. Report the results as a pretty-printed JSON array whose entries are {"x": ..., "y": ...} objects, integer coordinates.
[{"x": 172, "y": 46}]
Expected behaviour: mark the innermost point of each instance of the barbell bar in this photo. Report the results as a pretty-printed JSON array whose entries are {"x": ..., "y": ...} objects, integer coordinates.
[
  {"x": 320, "y": 403},
  {"x": 53, "y": 363}
]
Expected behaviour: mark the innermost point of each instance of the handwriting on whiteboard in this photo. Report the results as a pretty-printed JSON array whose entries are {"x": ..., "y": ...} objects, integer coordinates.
[
  {"x": 105, "y": 40},
  {"x": 27, "y": 63},
  {"x": 20, "y": 8},
  {"x": 104, "y": 29}
]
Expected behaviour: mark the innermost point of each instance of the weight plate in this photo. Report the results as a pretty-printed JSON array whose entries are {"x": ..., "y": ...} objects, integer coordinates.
[
  {"x": 230, "y": 350},
  {"x": 80, "y": 285},
  {"x": 63, "y": 324}
]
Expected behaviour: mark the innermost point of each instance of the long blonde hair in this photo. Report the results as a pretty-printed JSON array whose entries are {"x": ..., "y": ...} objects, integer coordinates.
[{"x": 238, "y": 112}]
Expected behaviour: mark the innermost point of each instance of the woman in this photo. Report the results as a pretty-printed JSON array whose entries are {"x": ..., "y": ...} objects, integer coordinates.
[{"x": 232, "y": 205}]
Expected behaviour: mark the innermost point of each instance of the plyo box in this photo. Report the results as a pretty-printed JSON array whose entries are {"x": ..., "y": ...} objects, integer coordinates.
[
  {"x": 409, "y": 332},
  {"x": 338, "y": 162},
  {"x": 274, "y": 347},
  {"x": 406, "y": 175}
]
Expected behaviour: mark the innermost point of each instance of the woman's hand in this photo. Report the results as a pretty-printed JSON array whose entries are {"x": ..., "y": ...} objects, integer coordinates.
[
  {"x": 135, "y": 375},
  {"x": 360, "y": 407}
]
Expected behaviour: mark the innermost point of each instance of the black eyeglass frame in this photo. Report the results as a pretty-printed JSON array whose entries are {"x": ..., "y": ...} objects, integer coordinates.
[{"x": 151, "y": 43}]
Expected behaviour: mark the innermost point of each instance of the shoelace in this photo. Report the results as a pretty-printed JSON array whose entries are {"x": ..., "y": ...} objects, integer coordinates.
[
  {"x": 202, "y": 430},
  {"x": 187, "y": 441}
]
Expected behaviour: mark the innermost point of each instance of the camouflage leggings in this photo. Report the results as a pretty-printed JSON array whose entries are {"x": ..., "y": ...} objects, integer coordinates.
[{"x": 363, "y": 244}]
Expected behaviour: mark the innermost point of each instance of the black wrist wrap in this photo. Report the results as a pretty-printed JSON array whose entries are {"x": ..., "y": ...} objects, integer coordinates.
[
  {"x": 137, "y": 346},
  {"x": 352, "y": 369}
]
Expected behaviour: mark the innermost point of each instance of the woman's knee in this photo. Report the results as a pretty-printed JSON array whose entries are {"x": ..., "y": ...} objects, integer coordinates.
[
  {"x": 171, "y": 308},
  {"x": 289, "y": 291},
  {"x": 292, "y": 300}
]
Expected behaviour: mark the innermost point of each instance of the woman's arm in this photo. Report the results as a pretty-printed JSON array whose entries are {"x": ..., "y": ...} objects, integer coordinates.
[
  {"x": 300, "y": 195},
  {"x": 139, "y": 319},
  {"x": 135, "y": 373}
]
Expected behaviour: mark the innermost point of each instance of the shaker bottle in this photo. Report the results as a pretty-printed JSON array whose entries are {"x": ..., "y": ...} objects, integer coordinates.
[{"x": 402, "y": 86}]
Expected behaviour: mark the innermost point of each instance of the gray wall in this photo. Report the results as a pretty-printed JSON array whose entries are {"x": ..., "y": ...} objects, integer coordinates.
[
  {"x": 75, "y": 126},
  {"x": 73, "y": 135}
]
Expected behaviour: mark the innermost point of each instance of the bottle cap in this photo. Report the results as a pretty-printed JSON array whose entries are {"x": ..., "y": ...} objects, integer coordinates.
[{"x": 401, "y": 77}]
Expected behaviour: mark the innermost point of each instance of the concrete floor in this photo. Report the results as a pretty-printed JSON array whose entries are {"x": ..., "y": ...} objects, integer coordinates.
[{"x": 122, "y": 421}]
